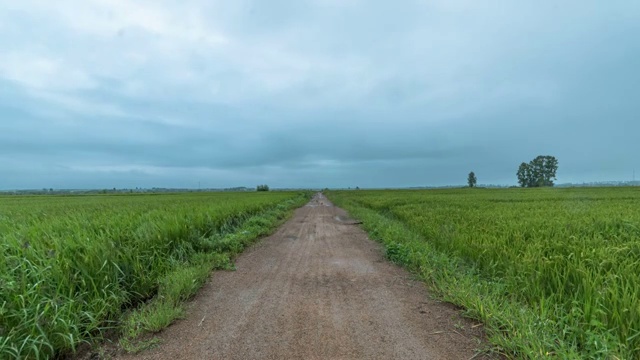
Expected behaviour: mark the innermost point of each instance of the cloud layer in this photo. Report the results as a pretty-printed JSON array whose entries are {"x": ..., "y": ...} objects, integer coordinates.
[{"x": 315, "y": 93}]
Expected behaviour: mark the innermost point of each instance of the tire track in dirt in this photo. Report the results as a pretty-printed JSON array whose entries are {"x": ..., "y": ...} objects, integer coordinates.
[{"x": 316, "y": 289}]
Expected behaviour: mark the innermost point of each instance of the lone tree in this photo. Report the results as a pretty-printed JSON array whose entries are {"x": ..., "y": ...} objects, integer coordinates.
[
  {"x": 472, "y": 180},
  {"x": 262, "y": 188},
  {"x": 539, "y": 172}
]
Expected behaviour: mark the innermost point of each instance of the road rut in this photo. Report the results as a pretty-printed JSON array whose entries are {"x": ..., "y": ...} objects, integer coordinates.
[{"x": 316, "y": 289}]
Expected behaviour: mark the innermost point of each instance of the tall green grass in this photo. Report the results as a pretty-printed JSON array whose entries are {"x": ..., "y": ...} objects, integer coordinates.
[
  {"x": 71, "y": 265},
  {"x": 559, "y": 265}
]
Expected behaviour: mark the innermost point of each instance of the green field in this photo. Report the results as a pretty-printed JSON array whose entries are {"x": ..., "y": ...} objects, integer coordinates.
[
  {"x": 550, "y": 272},
  {"x": 75, "y": 267}
]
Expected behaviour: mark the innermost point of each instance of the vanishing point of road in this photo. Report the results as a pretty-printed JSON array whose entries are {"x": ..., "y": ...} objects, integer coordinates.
[{"x": 318, "y": 288}]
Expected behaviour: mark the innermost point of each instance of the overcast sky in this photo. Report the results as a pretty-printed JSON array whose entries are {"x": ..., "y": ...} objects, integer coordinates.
[{"x": 315, "y": 93}]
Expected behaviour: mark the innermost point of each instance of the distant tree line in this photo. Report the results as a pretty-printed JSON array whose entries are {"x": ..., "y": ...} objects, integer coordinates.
[{"x": 262, "y": 188}]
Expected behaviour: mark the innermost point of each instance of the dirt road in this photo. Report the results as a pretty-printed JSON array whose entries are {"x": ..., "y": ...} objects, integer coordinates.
[{"x": 316, "y": 289}]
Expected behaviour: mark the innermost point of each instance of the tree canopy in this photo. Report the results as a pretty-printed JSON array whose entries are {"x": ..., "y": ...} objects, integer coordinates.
[
  {"x": 539, "y": 172},
  {"x": 472, "y": 180}
]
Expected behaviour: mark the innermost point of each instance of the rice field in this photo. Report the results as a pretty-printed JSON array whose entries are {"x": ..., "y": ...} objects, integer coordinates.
[
  {"x": 550, "y": 272},
  {"x": 71, "y": 266}
]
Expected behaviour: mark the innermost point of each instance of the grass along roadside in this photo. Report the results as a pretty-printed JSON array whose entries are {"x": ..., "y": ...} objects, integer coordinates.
[
  {"x": 182, "y": 282},
  {"x": 451, "y": 281},
  {"x": 517, "y": 328},
  {"x": 71, "y": 266},
  {"x": 462, "y": 285}
]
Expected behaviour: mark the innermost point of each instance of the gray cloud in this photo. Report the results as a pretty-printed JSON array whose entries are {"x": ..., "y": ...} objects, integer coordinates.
[{"x": 315, "y": 93}]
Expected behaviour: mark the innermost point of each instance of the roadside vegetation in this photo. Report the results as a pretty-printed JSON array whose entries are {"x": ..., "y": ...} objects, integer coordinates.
[
  {"x": 75, "y": 268},
  {"x": 550, "y": 272}
]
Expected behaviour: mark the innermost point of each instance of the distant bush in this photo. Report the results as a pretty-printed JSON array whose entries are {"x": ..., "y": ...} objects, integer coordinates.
[{"x": 263, "y": 188}]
